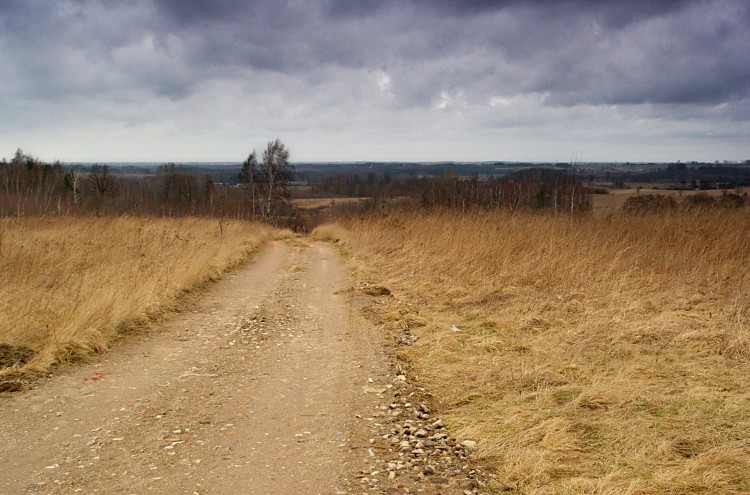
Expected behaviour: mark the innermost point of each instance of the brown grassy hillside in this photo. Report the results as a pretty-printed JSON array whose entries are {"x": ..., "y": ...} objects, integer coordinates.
[
  {"x": 69, "y": 286},
  {"x": 609, "y": 355}
]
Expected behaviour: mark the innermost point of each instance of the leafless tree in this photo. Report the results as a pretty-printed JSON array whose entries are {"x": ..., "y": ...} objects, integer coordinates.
[
  {"x": 575, "y": 164},
  {"x": 101, "y": 181},
  {"x": 73, "y": 181},
  {"x": 278, "y": 173},
  {"x": 249, "y": 177}
]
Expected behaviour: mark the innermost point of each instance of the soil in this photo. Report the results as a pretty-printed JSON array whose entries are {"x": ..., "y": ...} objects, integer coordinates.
[{"x": 268, "y": 385}]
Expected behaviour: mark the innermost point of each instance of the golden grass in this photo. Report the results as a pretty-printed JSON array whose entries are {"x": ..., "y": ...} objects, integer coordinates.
[
  {"x": 605, "y": 356},
  {"x": 69, "y": 286}
]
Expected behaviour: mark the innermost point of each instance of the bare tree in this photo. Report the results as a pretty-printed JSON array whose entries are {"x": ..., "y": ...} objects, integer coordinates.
[
  {"x": 101, "y": 181},
  {"x": 73, "y": 181},
  {"x": 277, "y": 171},
  {"x": 249, "y": 176},
  {"x": 575, "y": 164}
]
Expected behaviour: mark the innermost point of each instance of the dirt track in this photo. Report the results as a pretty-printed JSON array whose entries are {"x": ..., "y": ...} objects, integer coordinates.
[{"x": 256, "y": 390}]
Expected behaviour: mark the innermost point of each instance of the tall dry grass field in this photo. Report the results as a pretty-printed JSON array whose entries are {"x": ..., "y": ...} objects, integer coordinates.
[
  {"x": 607, "y": 356},
  {"x": 69, "y": 286}
]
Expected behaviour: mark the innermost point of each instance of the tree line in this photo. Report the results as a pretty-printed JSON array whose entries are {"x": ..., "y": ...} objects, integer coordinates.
[
  {"x": 537, "y": 189},
  {"x": 29, "y": 186},
  {"x": 694, "y": 176},
  {"x": 262, "y": 190}
]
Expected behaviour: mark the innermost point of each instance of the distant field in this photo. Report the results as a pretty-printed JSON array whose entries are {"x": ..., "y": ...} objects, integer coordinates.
[
  {"x": 601, "y": 202},
  {"x": 69, "y": 286},
  {"x": 310, "y": 203},
  {"x": 617, "y": 197},
  {"x": 607, "y": 356}
]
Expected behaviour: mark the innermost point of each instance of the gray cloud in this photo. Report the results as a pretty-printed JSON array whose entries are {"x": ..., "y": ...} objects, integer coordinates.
[{"x": 376, "y": 67}]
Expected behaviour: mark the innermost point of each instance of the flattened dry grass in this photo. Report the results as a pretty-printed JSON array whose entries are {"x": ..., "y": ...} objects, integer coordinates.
[
  {"x": 609, "y": 355},
  {"x": 69, "y": 286}
]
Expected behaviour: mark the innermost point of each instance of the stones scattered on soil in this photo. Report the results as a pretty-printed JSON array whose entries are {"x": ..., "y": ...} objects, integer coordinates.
[
  {"x": 412, "y": 449},
  {"x": 255, "y": 329},
  {"x": 405, "y": 337}
]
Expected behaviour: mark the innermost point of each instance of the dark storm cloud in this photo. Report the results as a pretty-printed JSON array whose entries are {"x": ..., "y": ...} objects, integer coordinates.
[
  {"x": 476, "y": 61},
  {"x": 578, "y": 51},
  {"x": 615, "y": 12},
  {"x": 693, "y": 53},
  {"x": 201, "y": 11}
]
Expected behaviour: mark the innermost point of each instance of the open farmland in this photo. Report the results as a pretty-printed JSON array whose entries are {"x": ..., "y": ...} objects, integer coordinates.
[
  {"x": 604, "y": 355},
  {"x": 310, "y": 203},
  {"x": 608, "y": 203},
  {"x": 70, "y": 286}
]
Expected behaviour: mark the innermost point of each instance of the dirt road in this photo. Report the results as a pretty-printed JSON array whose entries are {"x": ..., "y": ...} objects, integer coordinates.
[{"x": 262, "y": 388}]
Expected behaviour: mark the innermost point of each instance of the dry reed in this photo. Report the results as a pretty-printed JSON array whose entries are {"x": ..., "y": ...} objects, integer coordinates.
[
  {"x": 607, "y": 355},
  {"x": 69, "y": 286}
]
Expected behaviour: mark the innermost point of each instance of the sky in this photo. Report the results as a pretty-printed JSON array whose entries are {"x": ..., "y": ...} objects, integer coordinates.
[{"x": 376, "y": 80}]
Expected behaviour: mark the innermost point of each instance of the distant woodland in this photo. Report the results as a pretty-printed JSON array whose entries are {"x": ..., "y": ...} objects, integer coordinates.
[{"x": 252, "y": 190}]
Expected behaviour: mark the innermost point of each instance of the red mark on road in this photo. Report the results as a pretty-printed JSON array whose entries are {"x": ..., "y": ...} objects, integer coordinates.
[{"x": 96, "y": 376}]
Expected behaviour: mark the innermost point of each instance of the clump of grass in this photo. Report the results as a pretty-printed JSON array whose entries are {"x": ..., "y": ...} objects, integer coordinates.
[
  {"x": 606, "y": 355},
  {"x": 70, "y": 286}
]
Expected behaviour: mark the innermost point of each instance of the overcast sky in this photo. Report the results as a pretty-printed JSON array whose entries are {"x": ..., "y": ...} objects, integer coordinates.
[{"x": 337, "y": 80}]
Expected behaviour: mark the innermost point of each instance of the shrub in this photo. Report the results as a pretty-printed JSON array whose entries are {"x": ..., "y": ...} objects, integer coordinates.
[
  {"x": 731, "y": 200},
  {"x": 701, "y": 200},
  {"x": 649, "y": 202}
]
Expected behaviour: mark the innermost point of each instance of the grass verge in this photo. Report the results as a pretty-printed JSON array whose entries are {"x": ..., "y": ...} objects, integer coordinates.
[
  {"x": 609, "y": 355},
  {"x": 70, "y": 286}
]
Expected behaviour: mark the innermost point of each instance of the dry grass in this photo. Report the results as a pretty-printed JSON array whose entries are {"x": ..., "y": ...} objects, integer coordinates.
[
  {"x": 607, "y": 356},
  {"x": 72, "y": 285}
]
